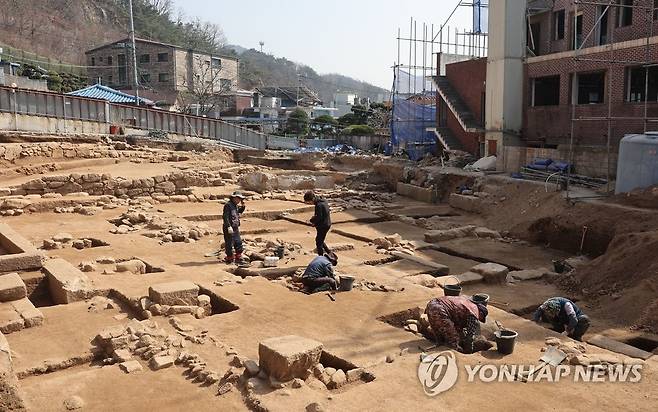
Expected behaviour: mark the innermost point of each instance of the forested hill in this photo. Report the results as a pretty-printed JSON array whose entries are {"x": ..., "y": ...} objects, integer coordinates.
[{"x": 64, "y": 29}]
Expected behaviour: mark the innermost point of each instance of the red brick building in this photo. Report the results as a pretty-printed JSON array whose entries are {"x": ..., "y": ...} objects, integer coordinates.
[
  {"x": 460, "y": 105},
  {"x": 587, "y": 60}
]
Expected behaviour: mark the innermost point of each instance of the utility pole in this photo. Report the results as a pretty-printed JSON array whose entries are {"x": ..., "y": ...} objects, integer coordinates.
[
  {"x": 132, "y": 39},
  {"x": 262, "y": 43}
]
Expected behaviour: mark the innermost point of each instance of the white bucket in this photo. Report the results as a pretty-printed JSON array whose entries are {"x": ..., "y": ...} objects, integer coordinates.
[{"x": 271, "y": 262}]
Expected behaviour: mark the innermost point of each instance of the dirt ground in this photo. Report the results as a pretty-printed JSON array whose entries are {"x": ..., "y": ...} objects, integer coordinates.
[{"x": 617, "y": 289}]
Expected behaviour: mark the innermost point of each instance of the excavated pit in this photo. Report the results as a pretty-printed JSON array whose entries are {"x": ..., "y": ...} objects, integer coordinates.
[{"x": 219, "y": 304}]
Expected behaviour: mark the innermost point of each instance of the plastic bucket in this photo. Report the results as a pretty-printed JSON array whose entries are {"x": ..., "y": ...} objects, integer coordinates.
[
  {"x": 452, "y": 290},
  {"x": 280, "y": 252},
  {"x": 505, "y": 341},
  {"x": 346, "y": 283},
  {"x": 482, "y": 298}
]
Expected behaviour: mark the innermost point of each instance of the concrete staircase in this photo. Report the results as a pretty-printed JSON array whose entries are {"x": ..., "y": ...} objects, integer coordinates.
[
  {"x": 448, "y": 139},
  {"x": 457, "y": 106},
  {"x": 16, "y": 310}
]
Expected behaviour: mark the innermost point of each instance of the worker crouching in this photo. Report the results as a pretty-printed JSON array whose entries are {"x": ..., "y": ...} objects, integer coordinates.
[
  {"x": 455, "y": 321},
  {"x": 563, "y": 315},
  {"x": 319, "y": 274}
]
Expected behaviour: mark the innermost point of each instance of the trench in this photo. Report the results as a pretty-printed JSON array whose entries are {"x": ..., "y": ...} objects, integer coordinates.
[
  {"x": 219, "y": 304},
  {"x": 645, "y": 343}
]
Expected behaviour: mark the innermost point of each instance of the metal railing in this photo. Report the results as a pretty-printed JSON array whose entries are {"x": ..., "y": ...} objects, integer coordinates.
[{"x": 66, "y": 107}]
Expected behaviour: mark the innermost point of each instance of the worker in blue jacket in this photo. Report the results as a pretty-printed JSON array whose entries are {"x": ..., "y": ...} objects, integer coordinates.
[{"x": 563, "y": 314}]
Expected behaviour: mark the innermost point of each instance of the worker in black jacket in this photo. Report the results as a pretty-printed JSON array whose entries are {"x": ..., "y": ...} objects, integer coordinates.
[
  {"x": 321, "y": 220},
  {"x": 231, "y": 227}
]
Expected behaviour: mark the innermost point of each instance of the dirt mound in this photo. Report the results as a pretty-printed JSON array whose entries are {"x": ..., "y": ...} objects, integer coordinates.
[
  {"x": 626, "y": 278},
  {"x": 645, "y": 198}
]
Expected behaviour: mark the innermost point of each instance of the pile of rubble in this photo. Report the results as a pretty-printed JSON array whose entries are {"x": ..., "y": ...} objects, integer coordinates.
[
  {"x": 577, "y": 354},
  {"x": 144, "y": 339},
  {"x": 63, "y": 240},
  {"x": 258, "y": 249},
  {"x": 158, "y": 227},
  {"x": 393, "y": 243}
]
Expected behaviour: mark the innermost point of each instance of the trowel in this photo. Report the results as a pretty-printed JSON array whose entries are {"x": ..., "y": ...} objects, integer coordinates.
[{"x": 553, "y": 356}]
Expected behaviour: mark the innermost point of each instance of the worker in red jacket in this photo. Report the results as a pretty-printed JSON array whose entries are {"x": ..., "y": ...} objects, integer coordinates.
[{"x": 455, "y": 321}]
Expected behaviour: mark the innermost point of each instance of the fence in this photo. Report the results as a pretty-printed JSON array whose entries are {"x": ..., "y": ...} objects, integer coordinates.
[
  {"x": 21, "y": 56},
  {"x": 74, "y": 108}
]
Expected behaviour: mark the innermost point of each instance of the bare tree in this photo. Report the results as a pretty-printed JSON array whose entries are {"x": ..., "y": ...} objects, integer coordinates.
[
  {"x": 207, "y": 87},
  {"x": 162, "y": 7}
]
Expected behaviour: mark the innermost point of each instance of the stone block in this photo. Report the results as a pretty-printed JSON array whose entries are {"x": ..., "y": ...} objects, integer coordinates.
[
  {"x": 10, "y": 320},
  {"x": 416, "y": 192},
  {"x": 464, "y": 279},
  {"x": 521, "y": 275},
  {"x": 289, "y": 357},
  {"x": 434, "y": 236},
  {"x": 12, "y": 287},
  {"x": 131, "y": 366},
  {"x": 161, "y": 362},
  {"x": 31, "y": 315},
  {"x": 67, "y": 283},
  {"x": 174, "y": 293},
  {"x": 136, "y": 267},
  {"x": 491, "y": 272},
  {"x": 467, "y": 203},
  {"x": 483, "y": 232}
]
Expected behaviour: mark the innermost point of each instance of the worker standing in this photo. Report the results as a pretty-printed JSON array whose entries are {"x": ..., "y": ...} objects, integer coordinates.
[
  {"x": 563, "y": 314},
  {"x": 321, "y": 220},
  {"x": 231, "y": 227}
]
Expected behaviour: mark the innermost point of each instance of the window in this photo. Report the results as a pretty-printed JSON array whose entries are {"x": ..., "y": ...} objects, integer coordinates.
[
  {"x": 163, "y": 57},
  {"x": 558, "y": 24},
  {"x": 109, "y": 79},
  {"x": 636, "y": 78},
  {"x": 655, "y": 9},
  {"x": 101, "y": 59},
  {"x": 225, "y": 84},
  {"x": 109, "y": 60},
  {"x": 602, "y": 13},
  {"x": 145, "y": 58},
  {"x": 163, "y": 77},
  {"x": 533, "y": 38},
  {"x": 545, "y": 91},
  {"x": 145, "y": 78},
  {"x": 123, "y": 69},
  {"x": 590, "y": 87},
  {"x": 93, "y": 61},
  {"x": 216, "y": 63},
  {"x": 578, "y": 32},
  {"x": 624, "y": 14}
]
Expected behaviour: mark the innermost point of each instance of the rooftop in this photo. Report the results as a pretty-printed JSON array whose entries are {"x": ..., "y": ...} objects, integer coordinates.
[
  {"x": 98, "y": 91},
  {"x": 156, "y": 43}
]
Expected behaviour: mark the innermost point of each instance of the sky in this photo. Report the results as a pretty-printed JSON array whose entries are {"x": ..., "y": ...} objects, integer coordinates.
[{"x": 356, "y": 38}]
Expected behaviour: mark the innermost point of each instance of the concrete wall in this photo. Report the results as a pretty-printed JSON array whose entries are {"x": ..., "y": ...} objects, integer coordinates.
[
  {"x": 365, "y": 142},
  {"x": 504, "y": 106},
  {"x": 23, "y": 82},
  {"x": 40, "y": 124},
  {"x": 588, "y": 160}
]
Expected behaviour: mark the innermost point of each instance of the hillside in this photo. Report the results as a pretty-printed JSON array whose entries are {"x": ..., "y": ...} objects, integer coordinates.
[{"x": 63, "y": 29}]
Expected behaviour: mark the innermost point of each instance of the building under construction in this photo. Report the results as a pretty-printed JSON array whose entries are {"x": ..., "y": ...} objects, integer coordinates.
[{"x": 584, "y": 76}]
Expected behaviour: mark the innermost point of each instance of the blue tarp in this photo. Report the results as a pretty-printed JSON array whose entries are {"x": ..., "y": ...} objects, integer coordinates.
[{"x": 410, "y": 122}]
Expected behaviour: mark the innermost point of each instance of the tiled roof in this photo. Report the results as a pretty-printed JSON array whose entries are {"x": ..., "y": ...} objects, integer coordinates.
[{"x": 101, "y": 92}]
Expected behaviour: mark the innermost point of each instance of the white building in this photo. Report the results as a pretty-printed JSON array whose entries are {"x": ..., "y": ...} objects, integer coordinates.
[{"x": 343, "y": 102}]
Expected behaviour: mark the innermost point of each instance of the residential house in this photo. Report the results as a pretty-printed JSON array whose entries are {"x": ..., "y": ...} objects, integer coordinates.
[{"x": 168, "y": 74}]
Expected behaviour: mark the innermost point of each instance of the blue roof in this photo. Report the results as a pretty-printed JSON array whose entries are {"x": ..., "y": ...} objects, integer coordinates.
[{"x": 98, "y": 91}]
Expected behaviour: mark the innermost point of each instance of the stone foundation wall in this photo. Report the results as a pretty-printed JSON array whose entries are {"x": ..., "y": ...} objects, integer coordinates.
[{"x": 103, "y": 184}]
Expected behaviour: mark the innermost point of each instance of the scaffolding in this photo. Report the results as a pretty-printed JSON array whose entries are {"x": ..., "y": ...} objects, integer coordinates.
[
  {"x": 427, "y": 52},
  {"x": 604, "y": 8}
]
